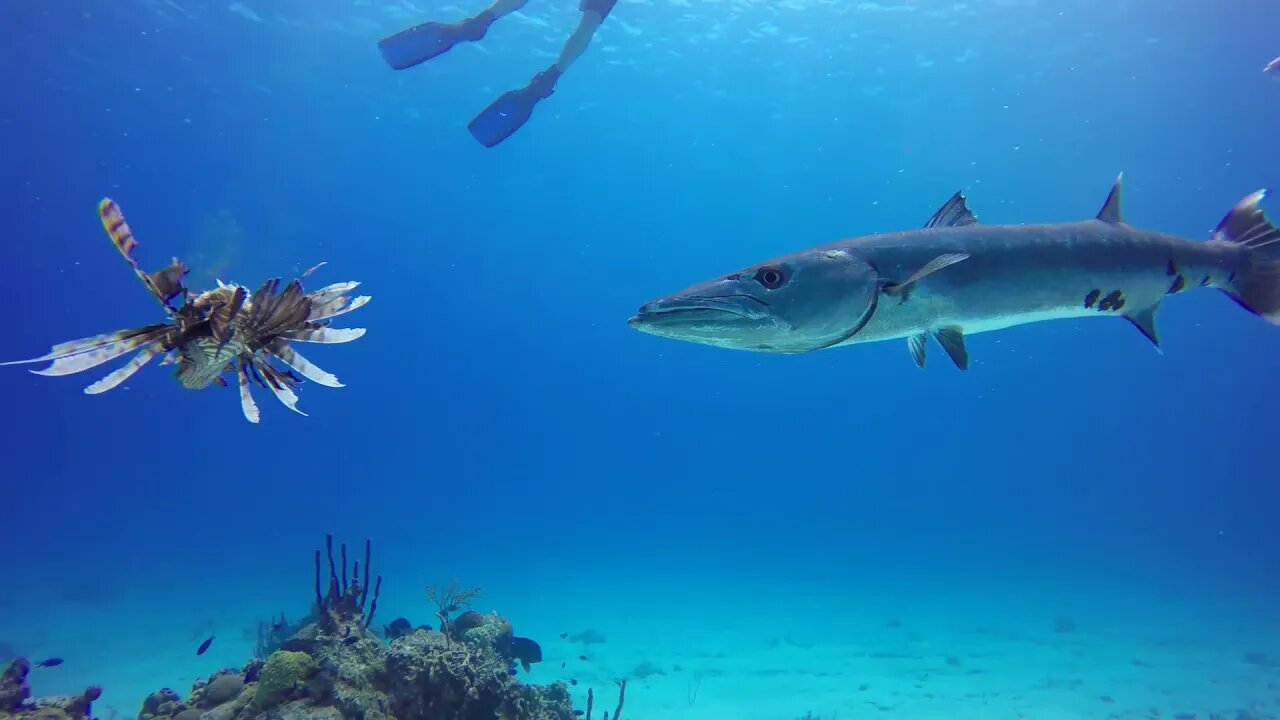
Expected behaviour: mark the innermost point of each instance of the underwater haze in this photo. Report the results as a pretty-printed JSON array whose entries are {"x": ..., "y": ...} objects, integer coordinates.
[{"x": 1078, "y": 526}]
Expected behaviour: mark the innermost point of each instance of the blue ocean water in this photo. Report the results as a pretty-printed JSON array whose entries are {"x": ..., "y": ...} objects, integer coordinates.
[{"x": 1085, "y": 526}]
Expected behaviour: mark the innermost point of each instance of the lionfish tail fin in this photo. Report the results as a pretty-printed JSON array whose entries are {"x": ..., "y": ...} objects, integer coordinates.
[{"x": 122, "y": 237}]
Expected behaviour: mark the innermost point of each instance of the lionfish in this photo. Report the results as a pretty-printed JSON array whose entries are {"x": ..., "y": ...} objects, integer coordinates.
[{"x": 225, "y": 330}]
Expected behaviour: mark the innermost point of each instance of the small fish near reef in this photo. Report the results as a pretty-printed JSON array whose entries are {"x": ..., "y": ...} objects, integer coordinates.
[
  {"x": 51, "y": 662},
  {"x": 224, "y": 330},
  {"x": 204, "y": 646},
  {"x": 1273, "y": 68},
  {"x": 956, "y": 277}
]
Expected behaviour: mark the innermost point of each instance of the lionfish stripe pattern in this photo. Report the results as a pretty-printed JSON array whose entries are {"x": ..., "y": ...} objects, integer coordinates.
[
  {"x": 122, "y": 237},
  {"x": 225, "y": 330},
  {"x": 328, "y": 336},
  {"x": 123, "y": 373},
  {"x": 247, "y": 404}
]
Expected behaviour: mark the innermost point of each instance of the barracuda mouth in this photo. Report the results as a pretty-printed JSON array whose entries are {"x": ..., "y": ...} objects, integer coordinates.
[{"x": 700, "y": 308}]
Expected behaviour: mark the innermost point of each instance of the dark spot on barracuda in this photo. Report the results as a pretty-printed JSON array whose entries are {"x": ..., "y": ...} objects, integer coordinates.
[
  {"x": 1113, "y": 301},
  {"x": 1171, "y": 269},
  {"x": 1178, "y": 285},
  {"x": 1091, "y": 298}
]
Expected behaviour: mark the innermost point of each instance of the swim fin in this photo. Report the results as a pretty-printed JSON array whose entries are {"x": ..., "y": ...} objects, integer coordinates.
[
  {"x": 512, "y": 110},
  {"x": 422, "y": 42}
]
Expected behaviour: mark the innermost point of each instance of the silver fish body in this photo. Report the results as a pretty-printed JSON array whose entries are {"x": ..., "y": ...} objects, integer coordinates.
[{"x": 956, "y": 277}]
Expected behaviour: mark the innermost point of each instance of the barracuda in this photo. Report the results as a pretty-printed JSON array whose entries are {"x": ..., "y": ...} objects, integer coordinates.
[{"x": 955, "y": 277}]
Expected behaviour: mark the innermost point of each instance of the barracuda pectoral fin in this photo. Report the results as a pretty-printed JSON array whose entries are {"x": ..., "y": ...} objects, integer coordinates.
[
  {"x": 916, "y": 345},
  {"x": 1145, "y": 321},
  {"x": 954, "y": 212},
  {"x": 942, "y": 262},
  {"x": 952, "y": 341}
]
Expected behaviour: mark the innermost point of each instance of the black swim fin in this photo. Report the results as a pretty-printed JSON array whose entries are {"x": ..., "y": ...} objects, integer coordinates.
[
  {"x": 422, "y": 42},
  {"x": 512, "y": 110}
]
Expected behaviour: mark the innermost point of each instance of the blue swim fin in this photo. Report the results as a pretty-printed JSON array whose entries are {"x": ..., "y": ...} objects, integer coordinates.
[
  {"x": 422, "y": 42},
  {"x": 512, "y": 110}
]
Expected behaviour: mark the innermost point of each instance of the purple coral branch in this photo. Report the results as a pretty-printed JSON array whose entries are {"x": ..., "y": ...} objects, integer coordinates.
[{"x": 368, "y": 551}]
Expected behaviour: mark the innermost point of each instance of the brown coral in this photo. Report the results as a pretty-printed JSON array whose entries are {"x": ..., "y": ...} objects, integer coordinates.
[{"x": 16, "y": 702}]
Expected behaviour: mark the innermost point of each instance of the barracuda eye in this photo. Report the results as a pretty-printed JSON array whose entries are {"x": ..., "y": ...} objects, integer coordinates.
[{"x": 771, "y": 277}]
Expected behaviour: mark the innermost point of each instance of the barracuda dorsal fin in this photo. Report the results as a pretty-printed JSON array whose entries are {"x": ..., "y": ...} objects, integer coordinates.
[
  {"x": 1110, "y": 212},
  {"x": 953, "y": 213}
]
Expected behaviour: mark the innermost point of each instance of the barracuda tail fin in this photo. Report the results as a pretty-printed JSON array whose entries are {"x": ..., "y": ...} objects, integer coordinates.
[{"x": 1256, "y": 283}]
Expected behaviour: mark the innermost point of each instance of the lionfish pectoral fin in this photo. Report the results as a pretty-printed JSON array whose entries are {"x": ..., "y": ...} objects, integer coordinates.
[
  {"x": 329, "y": 292},
  {"x": 84, "y": 345},
  {"x": 247, "y": 404},
  {"x": 278, "y": 384},
  {"x": 273, "y": 314},
  {"x": 85, "y": 360},
  {"x": 221, "y": 320},
  {"x": 124, "y": 372},
  {"x": 325, "y": 335},
  {"x": 122, "y": 237},
  {"x": 337, "y": 306},
  {"x": 287, "y": 355}
]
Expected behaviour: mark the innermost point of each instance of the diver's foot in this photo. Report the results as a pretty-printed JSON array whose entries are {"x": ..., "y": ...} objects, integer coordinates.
[
  {"x": 512, "y": 110},
  {"x": 544, "y": 83},
  {"x": 422, "y": 42}
]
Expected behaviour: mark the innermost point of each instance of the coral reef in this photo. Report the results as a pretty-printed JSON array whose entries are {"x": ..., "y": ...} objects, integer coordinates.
[
  {"x": 271, "y": 634},
  {"x": 16, "y": 702},
  {"x": 617, "y": 714},
  {"x": 334, "y": 666},
  {"x": 450, "y": 599}
]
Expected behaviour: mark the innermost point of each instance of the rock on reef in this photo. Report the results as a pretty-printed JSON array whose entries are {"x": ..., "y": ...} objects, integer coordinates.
[{"x": 16, "y": 702}]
